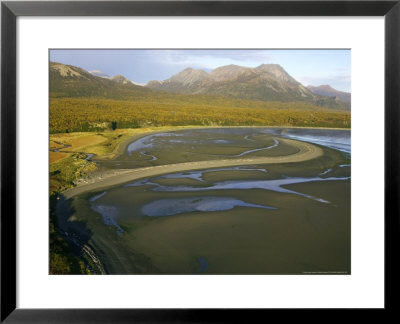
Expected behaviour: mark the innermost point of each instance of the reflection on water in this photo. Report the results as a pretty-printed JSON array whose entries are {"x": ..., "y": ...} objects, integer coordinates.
[
  {"x": 276, "y": 143},
  {"x": 273, "y": 185},
  {"x": 203, "y": 265},
  {"x": 336, "y": 139},
  {"x": 108, "y": 213},
  {"x": 222, "y": 137},
  {"x": 173, "y": 206},
  {"x": 94, "y": 198},
  {"x": 237, "y": 137},
  {"x": 221, "y": 141},
  {"x": 326, "y": 171},
  {"x": 231, "y": 220},
  {"x": 198, "y": 175},
  {"x": 147, "y": 142},
  {"x": 153, "y": 158}
]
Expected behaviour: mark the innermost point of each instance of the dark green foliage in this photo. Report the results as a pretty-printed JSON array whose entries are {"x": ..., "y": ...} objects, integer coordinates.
[
  {"x": 96, "y": 114},
  {"x": 62, "y": 259}
]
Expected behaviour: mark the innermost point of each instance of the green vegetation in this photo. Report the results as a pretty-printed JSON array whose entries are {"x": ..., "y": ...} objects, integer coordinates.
[
  {"x": 96, "y": 114},
  {"x": 65, "y": 172},
  {"x": 62, "y": 259},
  {"x": 69, "y": 163},
  {"x": 65, "y": 258},
  {"x": 81, "y": 102}
]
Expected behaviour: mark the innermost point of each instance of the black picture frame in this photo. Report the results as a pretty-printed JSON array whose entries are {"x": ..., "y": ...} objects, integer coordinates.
[{"x": 10, "y": 10}]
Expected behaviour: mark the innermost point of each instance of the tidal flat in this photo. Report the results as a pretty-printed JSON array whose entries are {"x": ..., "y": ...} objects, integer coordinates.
[{"x": 273, "y": 218}]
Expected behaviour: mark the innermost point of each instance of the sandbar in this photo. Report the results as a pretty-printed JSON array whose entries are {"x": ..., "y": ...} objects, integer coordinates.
[{"x": 306, "y": 151}]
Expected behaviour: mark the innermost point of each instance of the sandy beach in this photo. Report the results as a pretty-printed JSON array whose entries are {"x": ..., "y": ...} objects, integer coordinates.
[{"x": 306, "y": 151}]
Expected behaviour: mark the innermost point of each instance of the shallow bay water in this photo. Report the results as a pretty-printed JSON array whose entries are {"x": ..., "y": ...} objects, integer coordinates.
[{"x": 289, "y": 218}]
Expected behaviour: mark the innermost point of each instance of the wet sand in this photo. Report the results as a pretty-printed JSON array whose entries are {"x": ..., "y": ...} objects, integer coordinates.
[
  {"x": 306, "y": 151},
  {"x": 299, "y": 235}
]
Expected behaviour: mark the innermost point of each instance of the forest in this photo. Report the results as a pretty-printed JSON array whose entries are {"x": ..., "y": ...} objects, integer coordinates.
[{"x": 97, "y": 114}]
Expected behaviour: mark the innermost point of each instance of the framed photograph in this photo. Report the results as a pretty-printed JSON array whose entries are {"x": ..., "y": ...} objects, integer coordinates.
[{"x": 198, "y": 161}]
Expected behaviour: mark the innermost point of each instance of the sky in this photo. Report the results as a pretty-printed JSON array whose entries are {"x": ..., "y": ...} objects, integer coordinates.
[{"x": 310, "y": 67}]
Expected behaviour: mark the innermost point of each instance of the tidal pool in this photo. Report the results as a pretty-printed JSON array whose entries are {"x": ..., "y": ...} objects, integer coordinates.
[
  {"x": 288, "y": 218},
  {"x": 198, "y": 175},
  {"x": 109, "y": 214},
  {"x": 274, "y": 185},
  {"x": 333, "y": 138},
  {"x": 173, "y": 206},
  {"x": 242, "y": 137},
  {"x": 200, "y": 145}
]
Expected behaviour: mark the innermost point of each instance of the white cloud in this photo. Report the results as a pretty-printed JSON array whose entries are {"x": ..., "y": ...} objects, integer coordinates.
[{"x": 210, "y": 59}]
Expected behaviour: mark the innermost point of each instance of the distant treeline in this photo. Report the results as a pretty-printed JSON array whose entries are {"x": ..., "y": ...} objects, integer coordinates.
[{"x": 95, "y": 114}]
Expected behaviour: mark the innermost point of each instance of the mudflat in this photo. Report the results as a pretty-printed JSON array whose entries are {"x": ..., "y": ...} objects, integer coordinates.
[
  {"x": 277, "y": 209},
  {"x": 305, "y": 151}
]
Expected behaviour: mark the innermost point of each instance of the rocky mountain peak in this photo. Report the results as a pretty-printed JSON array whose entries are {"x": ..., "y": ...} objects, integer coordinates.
[
  {"x": 189, "y": 76},
  {"x": 267, "y": 82},
  {"x": 120, "y": 79},
  {"x": 67, "y": 70},
  {"x": 228, "y": 72},
  {"x": 276, "y": 71}
]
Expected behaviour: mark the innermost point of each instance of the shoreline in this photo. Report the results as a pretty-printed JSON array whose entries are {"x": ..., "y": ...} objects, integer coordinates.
[
  {"x": 307, "y": 151},
  {"x": 124, "y": 144}
]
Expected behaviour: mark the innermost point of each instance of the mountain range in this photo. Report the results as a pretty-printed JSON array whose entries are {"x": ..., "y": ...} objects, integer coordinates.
[
  {"x": 72, "y": 81},
  {"x": 328, "y": 91},
  {"x": 267, "y": 82}
]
